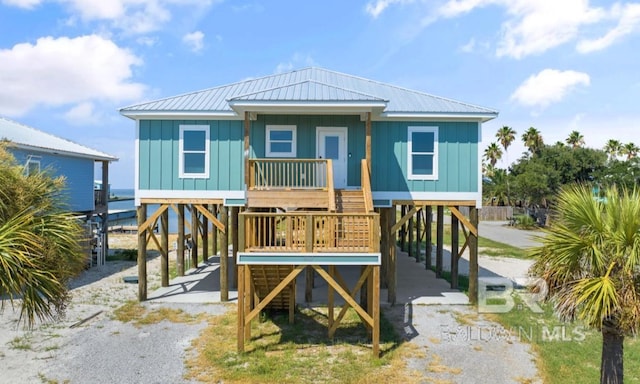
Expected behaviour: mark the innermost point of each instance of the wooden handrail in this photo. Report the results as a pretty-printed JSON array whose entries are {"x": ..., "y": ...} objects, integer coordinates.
[
  {"x": 330, "y": 186},
  {"x": 287, "y": 174},
  {"x": 365, "y": 180},
  {"x": 311, "y": 232}
]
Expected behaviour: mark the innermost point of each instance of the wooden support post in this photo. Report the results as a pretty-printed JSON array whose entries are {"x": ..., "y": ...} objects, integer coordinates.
[
  {"x": 180, "y": 255},
  {"x": 367, "y": 140},
  {"x": 418, "y": 234},
  {"x": 235, "y": 211},
  {"x": 375, "y": 311},
  {"x": 392, "y": 267},
  {"x": 330, "y": 296},
  {"x": 224, "y": 254},
  {"x": 473, "y": 258},
  {"x": 214, "y": 235},
  {"x": 205, "y": 236},
  {"x": 385, "y": 229},
  {"x": 454, "y": 251},
  {"x": 403, "y": 229},
  {"x": 439, "y": 240},
  {"x": 364, "y": 292},
  {"x": 428, "y": 238},
  {"x": 410, "y": 225},
  {"x": 142, "y": 253},
  {"x": 164, "y": 252},
  {"x": 248, "y": 297},
  {"x": 241, "y": 309},
  {"x": 195, "y": 223},
  {"x": 308, "y": 290}
]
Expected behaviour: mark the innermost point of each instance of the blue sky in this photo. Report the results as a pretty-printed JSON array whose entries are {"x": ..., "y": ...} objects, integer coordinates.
[{"x": 67, "y": 66}]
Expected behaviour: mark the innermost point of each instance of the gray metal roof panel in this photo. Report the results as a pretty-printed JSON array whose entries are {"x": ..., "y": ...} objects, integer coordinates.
[
  {"x": 23, "y": 135},
  {"x": 298, "y": 85}
]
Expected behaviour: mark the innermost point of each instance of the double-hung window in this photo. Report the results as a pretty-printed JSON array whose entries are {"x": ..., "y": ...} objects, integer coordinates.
[
  {"x": 193, "y": 159},
  {"x": 422, "y": 153},
  {"x": 280, "y": 141}
]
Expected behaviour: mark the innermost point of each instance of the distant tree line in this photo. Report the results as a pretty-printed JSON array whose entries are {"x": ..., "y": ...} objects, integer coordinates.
[{"x": 539, "y": 174}]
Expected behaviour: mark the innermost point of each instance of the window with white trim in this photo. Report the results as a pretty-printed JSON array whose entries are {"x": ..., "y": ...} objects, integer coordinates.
[
  {"x": 33, "y": 166},
  {"x": 193, "y": 160},
  {"x": 280, "y": 141},
  {"x": 422, "y": 151}
]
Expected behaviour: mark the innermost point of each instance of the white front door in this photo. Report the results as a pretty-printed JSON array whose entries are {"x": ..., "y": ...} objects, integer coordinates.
[{"x": 331, "y": 143}]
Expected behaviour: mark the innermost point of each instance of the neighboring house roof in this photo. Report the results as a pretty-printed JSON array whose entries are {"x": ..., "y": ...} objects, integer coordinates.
[
  {"x": 28, "y": 138},
  {"x": 310, "y": 89}
]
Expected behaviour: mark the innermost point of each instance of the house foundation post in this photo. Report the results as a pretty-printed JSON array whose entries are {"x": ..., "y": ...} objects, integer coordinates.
[
  {"x": 235, "y": 211},
  {"x": 194, "y": 236},
  {"x": 142, "y": 253},
  {"x": 439, "y": 240},
  {"x": 428, "y": 240},
  {"x": 392, "y": 267},
  {"x": 454, "y": 250},
  {"x": 473, "y": 258},
  {"x": 224, "y": 254},
  {"x": 164, "y": 252},
  {"x": 180, "y": 254}
]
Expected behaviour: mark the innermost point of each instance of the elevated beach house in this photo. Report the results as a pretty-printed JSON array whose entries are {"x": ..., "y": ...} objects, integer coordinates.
[
  {"x": 38, "y": 150},
  {"x": 306, "y": 171}
]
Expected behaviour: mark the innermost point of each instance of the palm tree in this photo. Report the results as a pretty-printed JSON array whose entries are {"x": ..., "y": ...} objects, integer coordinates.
[
  {"x": 39, "y": 242},
  {"x": 493, "y": 153},
  {"x": 630, "y": 150},
  {"x": 613, "y": 148},
  {"x": 575, "y": 139},
  {"x": 506, "y": 135},
  {"x": 533, "y": 140},
  {"x": 590, "y": 259}
]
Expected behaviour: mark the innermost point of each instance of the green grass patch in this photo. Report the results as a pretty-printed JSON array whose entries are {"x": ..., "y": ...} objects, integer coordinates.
[
  {"x": 486, "y": 246},
  {"x": 279, "y": 352},
  {"x": 568, "y": 353},
  {"x": 123, "y": 255},
  {"x": 134, "y": 312}
]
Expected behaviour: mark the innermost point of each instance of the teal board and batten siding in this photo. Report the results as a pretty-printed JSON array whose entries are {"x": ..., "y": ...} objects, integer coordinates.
[
  {"x": 457, "y": 157},
  {"x": 78, "y": 174},
  {"x": 159, "y": 151},
  {"x": 306, "y": 137}
]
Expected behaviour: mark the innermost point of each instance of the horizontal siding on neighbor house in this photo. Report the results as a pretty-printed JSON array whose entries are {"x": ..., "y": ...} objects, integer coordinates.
[
  {"x": 306, "y": 137},
  {"x": 159, "y": 151},
  {"x": 78, "y": 173},
  {"x": 457, "y": 157}
]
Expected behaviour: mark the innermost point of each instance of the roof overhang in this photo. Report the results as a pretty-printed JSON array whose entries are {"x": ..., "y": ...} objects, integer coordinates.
[
  {"x": 440, "y": 116},
  {"x": 53, "y": 151},
  {"x": 193, "y": 115},
  {"x": 307, "y": 107}
]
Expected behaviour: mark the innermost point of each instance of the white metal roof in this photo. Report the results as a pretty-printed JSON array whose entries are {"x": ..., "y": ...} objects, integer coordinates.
[
  {"x": 310, "y": 88},
  {"x": 26, "y": 137}
]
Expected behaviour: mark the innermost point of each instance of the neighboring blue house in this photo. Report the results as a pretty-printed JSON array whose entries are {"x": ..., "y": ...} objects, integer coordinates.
[
  {"x": 38, "y": 150},
  {"x": 309, "y": 155}
]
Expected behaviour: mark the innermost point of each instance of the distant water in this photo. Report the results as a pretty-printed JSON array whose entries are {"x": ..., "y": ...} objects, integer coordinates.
[{"x": 130, "y": 205}]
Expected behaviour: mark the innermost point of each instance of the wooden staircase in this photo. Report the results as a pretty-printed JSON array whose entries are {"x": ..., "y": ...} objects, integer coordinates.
[
  {"x": 350, "y": 201},
  {"x": 266, "y": 277}
]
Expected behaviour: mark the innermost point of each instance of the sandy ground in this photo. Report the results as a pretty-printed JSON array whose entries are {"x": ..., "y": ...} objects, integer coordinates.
[{"x": 73, "y": 349}]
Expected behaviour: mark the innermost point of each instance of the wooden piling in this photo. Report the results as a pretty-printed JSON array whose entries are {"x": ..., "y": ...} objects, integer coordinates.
[
  {"x": 180, "y": 254},
  {"x": 142, "y": 252},
  {"x": 439, "y": 239},
  {"x": 164, "y": 252},
  {"x": 224, "y": 254}
]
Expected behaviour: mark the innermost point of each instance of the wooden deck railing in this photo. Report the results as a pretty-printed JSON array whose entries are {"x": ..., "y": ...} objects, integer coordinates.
[
  {"x": 365, "y": 182},
  {"x": 288, "y": 174},
  {"x": 316, "y": 232}
]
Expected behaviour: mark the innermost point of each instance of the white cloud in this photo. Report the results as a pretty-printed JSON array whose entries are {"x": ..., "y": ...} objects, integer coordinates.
[
  {"x": 82, "y": 114},
  {"x": 375, "y": 8},
  {"x": 628, "y": 21},
  {"x": 548, "y": 86},
  {"x": 194, "y": 40},
  {"x": 130, "y": 16},
  {"x": 61, "y": 71},
  {"x": 298, "y": 60},
  {"x": 26, "y": 4},
  {"x": 469, "y": 47}
]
